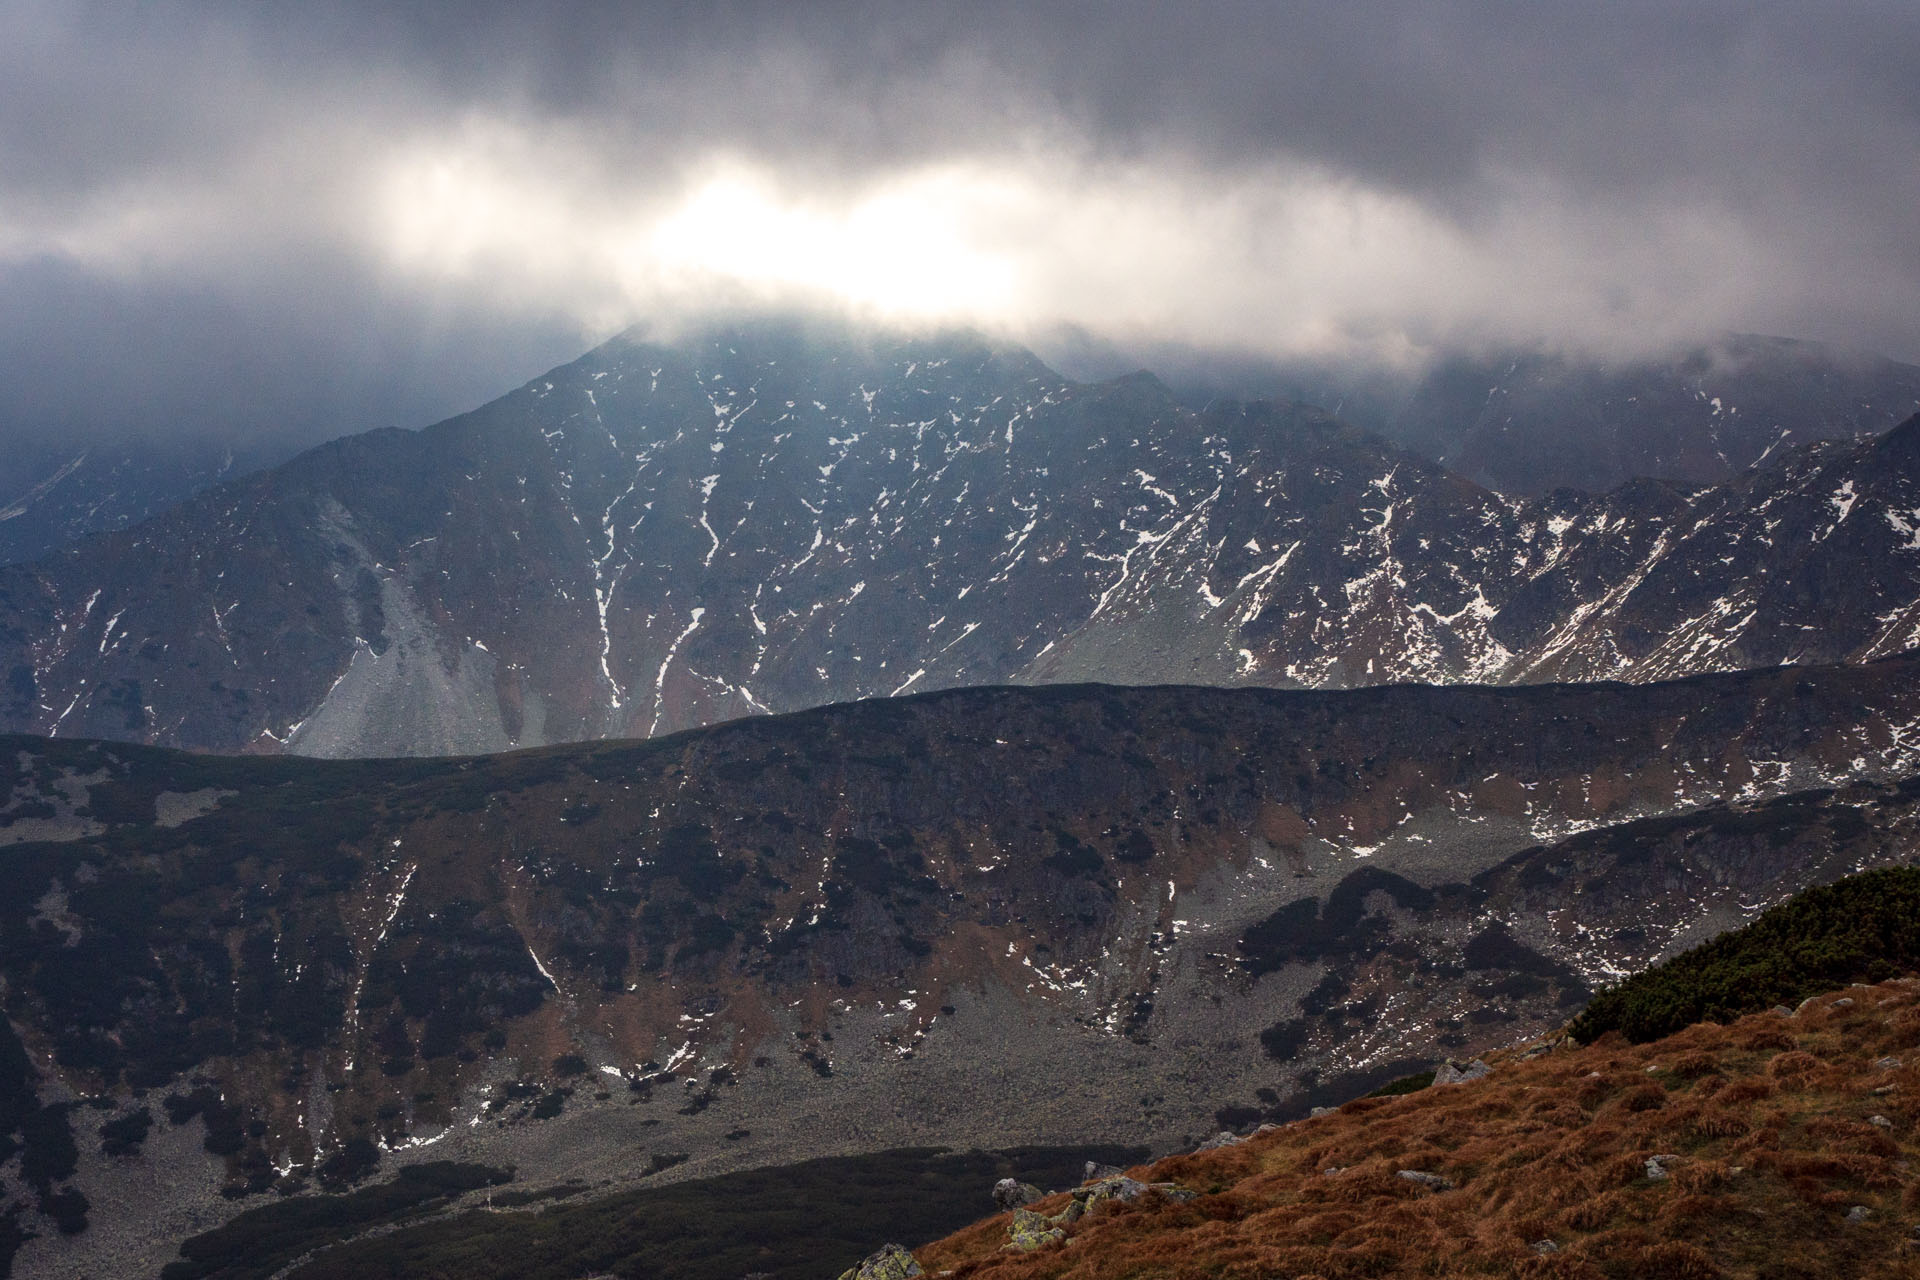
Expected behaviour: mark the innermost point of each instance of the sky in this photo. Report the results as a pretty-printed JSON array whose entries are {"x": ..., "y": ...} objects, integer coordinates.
[{"x": 286, "y": 221}]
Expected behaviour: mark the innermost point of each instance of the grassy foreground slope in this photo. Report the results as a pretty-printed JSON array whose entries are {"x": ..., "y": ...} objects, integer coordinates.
[{"x": 1786, "y": 1150}]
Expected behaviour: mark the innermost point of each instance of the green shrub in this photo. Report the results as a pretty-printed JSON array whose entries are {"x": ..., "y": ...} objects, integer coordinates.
[
  {"x": 1862, "y": 929},
  {"x": 1405, "y": 1084}
]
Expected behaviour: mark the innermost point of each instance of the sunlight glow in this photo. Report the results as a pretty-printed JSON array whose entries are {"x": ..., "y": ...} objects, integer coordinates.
[
  {"x": 1274, "y": 257},
  {"x": 905, "y": 247},
  {"x": 902, "y": 250}
]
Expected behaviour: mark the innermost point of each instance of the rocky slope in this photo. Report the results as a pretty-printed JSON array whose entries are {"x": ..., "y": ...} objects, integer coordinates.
[
  {"x": 657, "y": 537},
  {"x": 798, "y": 936}
]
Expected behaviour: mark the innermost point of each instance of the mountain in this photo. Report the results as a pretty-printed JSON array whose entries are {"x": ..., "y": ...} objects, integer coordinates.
[
  {"x": 50, "y": 500},
  {"x": 975, "y": 917},
  {"x": 656, "y": 537}
]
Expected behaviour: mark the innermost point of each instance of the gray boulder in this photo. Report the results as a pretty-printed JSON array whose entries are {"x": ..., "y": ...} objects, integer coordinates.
[
  {"x": 1010, "y": 1193},
  {"x": 1096, "y": 1171},
  {"x": 1225, "y": 1138},
  {"x": 1461, "y": 1072},
  {"x": 1431, "y": 1181}
]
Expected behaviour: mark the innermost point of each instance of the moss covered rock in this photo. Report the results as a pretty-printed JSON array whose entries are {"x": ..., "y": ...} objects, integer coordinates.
[{"x": 1032, "y": 1230}]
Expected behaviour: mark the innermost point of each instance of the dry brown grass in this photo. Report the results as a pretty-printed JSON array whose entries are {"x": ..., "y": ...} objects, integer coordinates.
[
  {"x": 1691, "y": 1066},
  {"x": 1751, "y": 1089},
  {"x": 1768, "y": 1035},
  {"x": 1705, "y": 1123},
  {"x": 1794, "y": 1064},
  {"x": 1768, "y": 1119}
]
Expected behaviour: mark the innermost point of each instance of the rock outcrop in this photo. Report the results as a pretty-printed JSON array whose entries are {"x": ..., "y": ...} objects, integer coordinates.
[{"x": 1032, "y": 1230}]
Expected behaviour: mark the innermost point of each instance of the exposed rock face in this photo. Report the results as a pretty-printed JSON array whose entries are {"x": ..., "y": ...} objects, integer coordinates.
[{"x": 654, "y": 538}]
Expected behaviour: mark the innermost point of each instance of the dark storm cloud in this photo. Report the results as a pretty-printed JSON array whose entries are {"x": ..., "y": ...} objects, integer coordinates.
[{"x": 304, "y": 218}]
